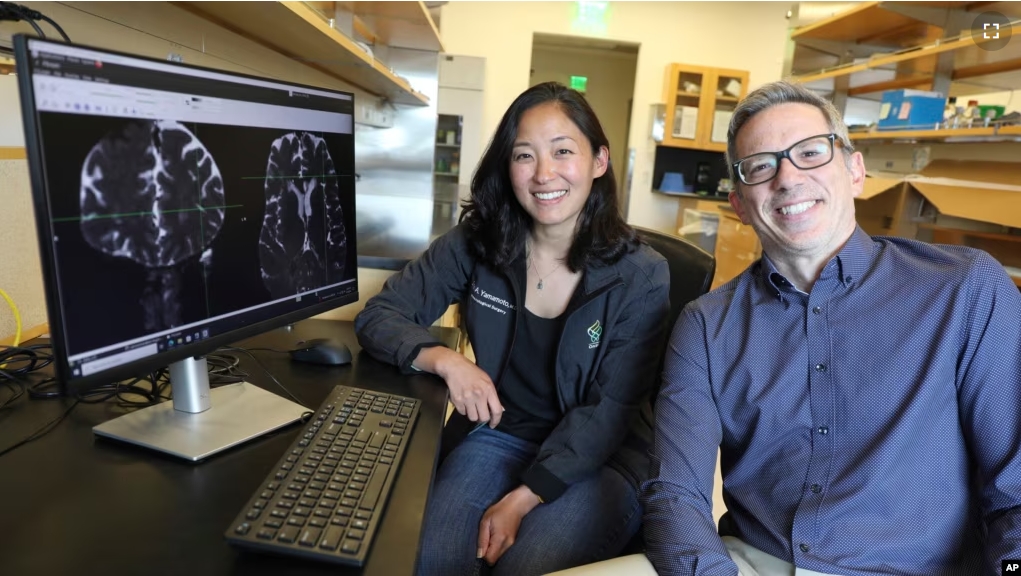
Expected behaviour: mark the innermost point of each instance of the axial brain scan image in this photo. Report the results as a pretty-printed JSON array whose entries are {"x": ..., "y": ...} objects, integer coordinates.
[
  {"x": 302, "y": 245},
  {"x": 151, "y": 193}
]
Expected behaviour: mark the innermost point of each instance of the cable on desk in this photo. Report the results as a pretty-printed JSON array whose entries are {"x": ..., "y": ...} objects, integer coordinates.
[
  {"x": 264, "y": 369},
  {"x": 15, "y": 363},
  {"x": 41, "y": 431}
]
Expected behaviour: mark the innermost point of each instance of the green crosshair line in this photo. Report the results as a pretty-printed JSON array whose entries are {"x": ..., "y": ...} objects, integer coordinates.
[{"x": 90, "y": 217}]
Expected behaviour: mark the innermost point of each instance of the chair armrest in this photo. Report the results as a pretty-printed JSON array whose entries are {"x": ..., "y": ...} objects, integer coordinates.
[{"x": 633, "y": 565}]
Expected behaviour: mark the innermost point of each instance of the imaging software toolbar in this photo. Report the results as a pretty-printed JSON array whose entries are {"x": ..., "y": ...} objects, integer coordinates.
[{"x": 73, "y": 96}]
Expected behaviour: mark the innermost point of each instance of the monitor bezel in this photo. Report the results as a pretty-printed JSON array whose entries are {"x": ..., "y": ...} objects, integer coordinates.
[{"x": 51, "y": 289}]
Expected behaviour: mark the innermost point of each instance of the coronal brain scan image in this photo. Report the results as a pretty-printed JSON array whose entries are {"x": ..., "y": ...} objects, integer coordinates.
[
  {"x": 302, "y": 245},
  {"x": 152, "y": 193}
]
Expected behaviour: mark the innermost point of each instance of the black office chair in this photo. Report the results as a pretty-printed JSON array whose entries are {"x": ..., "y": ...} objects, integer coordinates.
[{"x": 691, "y": 268}]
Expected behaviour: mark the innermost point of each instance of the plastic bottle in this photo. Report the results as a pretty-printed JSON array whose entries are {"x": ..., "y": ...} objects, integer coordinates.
[
  {"x": 971, "y": 114},
  {"x": 949, "y": 111}
]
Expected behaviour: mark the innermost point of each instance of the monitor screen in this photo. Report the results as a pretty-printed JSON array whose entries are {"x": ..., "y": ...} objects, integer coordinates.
[{"x": 181, "y": 208}]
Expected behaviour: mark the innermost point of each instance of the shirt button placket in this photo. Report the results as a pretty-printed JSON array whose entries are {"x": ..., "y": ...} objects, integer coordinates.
[{"x": 820, "y": 390}]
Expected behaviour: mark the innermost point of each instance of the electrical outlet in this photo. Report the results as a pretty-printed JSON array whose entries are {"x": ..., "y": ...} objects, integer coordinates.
[{"x": 373, "y": 114}]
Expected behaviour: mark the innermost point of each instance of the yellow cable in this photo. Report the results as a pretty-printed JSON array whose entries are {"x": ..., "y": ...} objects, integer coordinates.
[{"x": 17, "y": 318}]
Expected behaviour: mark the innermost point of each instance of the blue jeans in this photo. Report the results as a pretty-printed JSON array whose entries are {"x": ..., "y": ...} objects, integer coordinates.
[{"x": 593, "y": 520}]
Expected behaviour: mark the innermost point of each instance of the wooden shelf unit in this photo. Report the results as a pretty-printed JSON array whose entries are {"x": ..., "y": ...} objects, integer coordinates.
[
  {"x": 300, "y": 31},
  {"x": 986, "y": 134},
  {"x": 912, "y": 50}
]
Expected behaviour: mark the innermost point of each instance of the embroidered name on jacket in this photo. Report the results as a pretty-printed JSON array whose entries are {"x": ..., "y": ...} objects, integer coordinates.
[
  {"x": 491, "y": 301},
  {"x": 594, "y": 332}
]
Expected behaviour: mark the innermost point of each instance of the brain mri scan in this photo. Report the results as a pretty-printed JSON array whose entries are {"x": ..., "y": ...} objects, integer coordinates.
[
  {"x": 302, "y": 245},
  {"x": 152, "y": 193}
]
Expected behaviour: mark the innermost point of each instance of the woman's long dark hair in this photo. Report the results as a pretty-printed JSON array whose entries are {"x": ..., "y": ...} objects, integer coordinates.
[{"x": 495, "y": 222}]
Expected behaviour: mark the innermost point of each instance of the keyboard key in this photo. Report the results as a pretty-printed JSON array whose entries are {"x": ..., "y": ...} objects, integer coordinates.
[
  {"x": 356, "y": 534},
  {"x": 243, "y": 528},
  {"x": 340, "y": 520},
  {"x": 288, "y": 534},
  {"x": 310, "y": 537},
  {"x": 331, "y": 538},
  {"x": 363, "y": 515},
  {"x": 317, "y": 522},
  {"x": 301, "y": 511},
  {"x": 374, "y": 487},
  {"x": 359, "y": 524},
  {"x": 350, "y": 546},
  {"x": 273, "y": 523},
  {"x": 266, "y": 534},
  {"x": 295, "y": 521}
]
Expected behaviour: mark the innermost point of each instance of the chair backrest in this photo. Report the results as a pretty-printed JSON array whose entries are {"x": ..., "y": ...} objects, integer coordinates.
[{"x": 691, "y": 268}]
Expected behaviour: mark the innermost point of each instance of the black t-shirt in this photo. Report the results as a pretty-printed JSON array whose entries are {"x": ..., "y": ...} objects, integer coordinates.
[{"x": 527, "y": 387}]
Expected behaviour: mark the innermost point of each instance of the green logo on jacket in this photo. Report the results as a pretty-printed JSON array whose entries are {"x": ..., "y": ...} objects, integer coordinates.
[{"x": 594, "y": 332}]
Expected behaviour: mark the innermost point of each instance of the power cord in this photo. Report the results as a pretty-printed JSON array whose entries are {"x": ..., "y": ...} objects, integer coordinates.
[
  {"x": 223, "y": 369},
  {"x": 264, "y": 369},
  {"x": 18, "y": 13}
]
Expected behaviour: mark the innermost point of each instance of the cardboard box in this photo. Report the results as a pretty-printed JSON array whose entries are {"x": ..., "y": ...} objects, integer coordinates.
[
  {"x": 950, "y": 201},
  {"x": 911, "y": 109},
  {"x": 980, "y": 195}
]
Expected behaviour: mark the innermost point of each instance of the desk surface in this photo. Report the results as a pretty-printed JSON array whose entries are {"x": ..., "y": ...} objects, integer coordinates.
[{"x": 73, "y": 503}]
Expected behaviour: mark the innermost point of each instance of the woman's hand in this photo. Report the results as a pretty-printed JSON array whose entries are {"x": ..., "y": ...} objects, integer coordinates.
[
  {"x": 472, "y": 392},
  {"x": 500, "y": 523}
]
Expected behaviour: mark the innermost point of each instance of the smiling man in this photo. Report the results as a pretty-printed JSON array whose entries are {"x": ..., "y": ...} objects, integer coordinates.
[{"x": 864, "y": 392}]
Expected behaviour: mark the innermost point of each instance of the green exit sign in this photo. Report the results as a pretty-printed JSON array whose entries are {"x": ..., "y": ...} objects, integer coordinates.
[{"x": 579, "y": 83}]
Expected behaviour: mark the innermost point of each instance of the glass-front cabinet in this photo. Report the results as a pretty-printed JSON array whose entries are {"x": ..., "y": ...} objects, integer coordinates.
[{"x": 699, "y": 104}]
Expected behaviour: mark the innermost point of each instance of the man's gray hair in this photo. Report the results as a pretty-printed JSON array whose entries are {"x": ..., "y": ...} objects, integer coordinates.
[{"x": 781, "y": 92}]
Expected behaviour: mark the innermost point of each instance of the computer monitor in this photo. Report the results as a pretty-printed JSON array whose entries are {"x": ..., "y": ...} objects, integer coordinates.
[{"x": 180, "y": 209}]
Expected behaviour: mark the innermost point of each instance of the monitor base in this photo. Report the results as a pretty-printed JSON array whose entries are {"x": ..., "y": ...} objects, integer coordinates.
[{"x": 239, "y": 412}]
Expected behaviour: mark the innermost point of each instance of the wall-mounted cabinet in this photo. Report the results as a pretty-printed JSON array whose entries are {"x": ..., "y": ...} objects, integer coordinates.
[
  {"x": 310, "y": 32},
  {"x": 699, "y": 103}
]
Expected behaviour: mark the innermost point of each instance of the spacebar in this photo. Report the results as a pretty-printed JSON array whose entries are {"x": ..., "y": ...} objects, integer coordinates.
[{"x": 374, "y": 487}]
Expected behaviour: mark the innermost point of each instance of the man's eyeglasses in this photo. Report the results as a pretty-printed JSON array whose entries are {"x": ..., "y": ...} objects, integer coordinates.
[{"x": 807, "y": 154}]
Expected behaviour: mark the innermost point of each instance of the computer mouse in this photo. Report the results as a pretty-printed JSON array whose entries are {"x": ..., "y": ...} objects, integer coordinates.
[{"x": 322, "y": 351}]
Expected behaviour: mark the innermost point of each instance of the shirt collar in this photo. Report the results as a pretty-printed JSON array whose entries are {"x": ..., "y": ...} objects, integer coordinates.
[{"x": 850, "y": 264}]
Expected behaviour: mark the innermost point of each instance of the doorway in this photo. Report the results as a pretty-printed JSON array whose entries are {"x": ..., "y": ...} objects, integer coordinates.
[{"x": 604, "y": 70}]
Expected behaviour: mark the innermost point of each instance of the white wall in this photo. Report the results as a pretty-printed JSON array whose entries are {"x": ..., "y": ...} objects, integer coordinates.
[
  {"x": 611, "y": 78},
  {"x": 743, "y": 35},
  {"x": 11, "y": 132}
]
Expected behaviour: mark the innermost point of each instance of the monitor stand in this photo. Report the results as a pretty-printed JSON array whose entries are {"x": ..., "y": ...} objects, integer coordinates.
[{"x": 200, "y": 421}]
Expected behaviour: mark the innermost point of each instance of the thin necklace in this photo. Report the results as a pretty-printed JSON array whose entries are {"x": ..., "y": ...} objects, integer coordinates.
[{"x": 541, "y": 277}]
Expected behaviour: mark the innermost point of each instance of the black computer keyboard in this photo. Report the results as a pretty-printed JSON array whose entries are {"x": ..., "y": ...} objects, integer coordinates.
[{"x": 325, "y": 498}]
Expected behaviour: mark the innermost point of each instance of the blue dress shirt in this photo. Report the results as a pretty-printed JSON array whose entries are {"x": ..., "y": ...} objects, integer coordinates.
[{"x": 869, "y": 427}]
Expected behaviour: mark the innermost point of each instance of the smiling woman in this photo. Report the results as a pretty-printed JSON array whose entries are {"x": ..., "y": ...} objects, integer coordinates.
[{"x": 566, "y": 312}]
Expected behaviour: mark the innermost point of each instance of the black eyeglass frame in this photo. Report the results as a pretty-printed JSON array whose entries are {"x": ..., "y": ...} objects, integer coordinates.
[{"x": 833, "y": 139}]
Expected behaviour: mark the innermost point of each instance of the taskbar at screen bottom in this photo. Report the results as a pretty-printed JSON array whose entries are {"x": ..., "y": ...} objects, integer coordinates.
[{"x": 114, "y": 357}]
